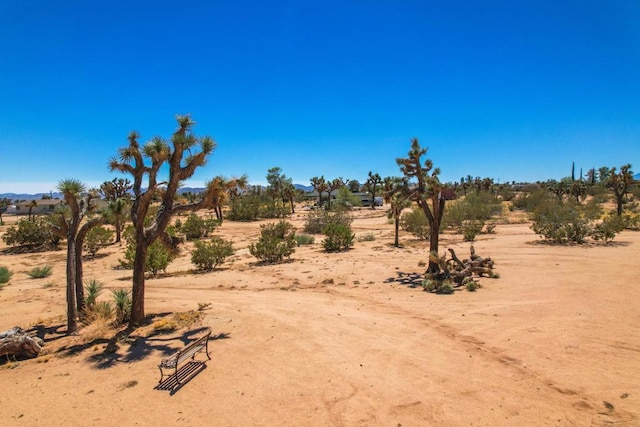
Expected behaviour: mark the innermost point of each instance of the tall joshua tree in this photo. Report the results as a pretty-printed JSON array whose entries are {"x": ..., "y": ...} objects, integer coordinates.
[
  {"x": 396, "y": 192},
  {"x": 373, "y": 182},
  {"x": 145, "y": 162},
  {"x": 427, "y": 193},
  {"x": 620, "y": 182},
  {"x": 320, "y": 185},
  {"x": 79, "y": 205}
]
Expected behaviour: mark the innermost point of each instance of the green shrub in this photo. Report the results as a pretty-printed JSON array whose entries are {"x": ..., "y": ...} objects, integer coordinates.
[
  {"x": 474, "y": 207},
  {"x": 97, "y": 238},
  {"x": 245, "y": 208},
  {"x": 431, "y": 285},
  {"x": 277, "y": 241},
  {"x": 40, "y": 272},
  {"x": 35, "y": 234},
  {"x": 158, "y": 255},
  {"x": 471, "y": 285},
  {"x": 195, "y": 228},
  {"x": 562, "y": 222},
  {"x": 208, "y": 255},
  {"x": 416, "y": 223},
  {"x": 471, "y": 228},
  {"x": 608, "y": 228},
  {"x": 5, "y": 275},
  {"x": 338, "y": 237},
  {"x": 529, "y": 202},
  {"x": 305, "y": 239},
  {"x": 318, "y": 220},
  {"x": 366, "y": 237}
]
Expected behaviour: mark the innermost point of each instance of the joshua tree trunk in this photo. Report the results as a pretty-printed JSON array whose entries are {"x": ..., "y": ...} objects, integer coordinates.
[
  {"x": 72, "y": 314},
  {"x": 137, "y": 292},
  {"x": 396, "y": 242}
]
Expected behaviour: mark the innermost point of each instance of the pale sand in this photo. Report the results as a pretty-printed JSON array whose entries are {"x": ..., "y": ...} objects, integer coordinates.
[{"x": 554, "y": 341}]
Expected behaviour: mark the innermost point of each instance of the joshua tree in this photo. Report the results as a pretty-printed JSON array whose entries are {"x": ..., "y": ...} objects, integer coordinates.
[
  {"x": 371, "y": 185},
  {"x": 397, "y": 194},
  {"x": 146, "y": 161},
  {"x": 427, "y": 190},
  {"x": 79, "y": 205},
  {"x": 4, "y": 204},
  {"x": 620, "y": 182},
  {"x": 332, "y": 186},
  {"x": 32, "y": 205},
  {"x": 320, "y": 185}
]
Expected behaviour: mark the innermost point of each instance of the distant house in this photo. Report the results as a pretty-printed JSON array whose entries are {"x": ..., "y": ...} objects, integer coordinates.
[{"x": 42, "y": 206}]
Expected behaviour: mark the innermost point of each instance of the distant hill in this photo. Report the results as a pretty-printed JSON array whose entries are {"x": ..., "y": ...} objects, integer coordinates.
[
  {"x": 637, "y": 176},
  {"x": 37, "y": 196},
  {"x": 182, "y": 190}
]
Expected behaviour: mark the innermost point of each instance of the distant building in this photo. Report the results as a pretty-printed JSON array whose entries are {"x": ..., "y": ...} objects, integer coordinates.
[{"x": 42, "y": 206}]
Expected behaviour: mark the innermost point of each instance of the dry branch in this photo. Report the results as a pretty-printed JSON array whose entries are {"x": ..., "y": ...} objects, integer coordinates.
[{"x": 17, "y": 343}]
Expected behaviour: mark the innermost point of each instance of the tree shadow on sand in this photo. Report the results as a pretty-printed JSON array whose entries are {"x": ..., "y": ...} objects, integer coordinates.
[
  {"x": 412, "y": 280},
  {"x": 129, "y": 345}
]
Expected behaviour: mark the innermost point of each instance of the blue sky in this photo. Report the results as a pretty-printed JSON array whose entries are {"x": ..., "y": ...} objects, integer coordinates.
[{"x": 509, "y": 90}]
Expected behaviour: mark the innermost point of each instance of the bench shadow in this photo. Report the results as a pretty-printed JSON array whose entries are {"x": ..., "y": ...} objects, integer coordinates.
[{"x": 185, "y": 373}]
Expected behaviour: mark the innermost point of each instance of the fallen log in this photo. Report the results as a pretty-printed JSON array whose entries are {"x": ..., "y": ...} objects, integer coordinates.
[{"x": 17, "y": 343}]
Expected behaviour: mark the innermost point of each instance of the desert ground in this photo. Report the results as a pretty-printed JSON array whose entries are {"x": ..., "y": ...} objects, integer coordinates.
[{"x": 339, "y": 340}]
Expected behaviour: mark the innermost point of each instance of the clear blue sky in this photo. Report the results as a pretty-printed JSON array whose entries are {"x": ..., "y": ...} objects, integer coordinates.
[{"x": 513, "y": 90}]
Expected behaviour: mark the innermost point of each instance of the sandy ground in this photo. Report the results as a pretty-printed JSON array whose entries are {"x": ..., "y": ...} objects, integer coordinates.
[{"x": 336, "y": 339}]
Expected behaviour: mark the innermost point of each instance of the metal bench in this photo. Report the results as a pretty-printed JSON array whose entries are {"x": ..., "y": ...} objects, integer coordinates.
[{"x": 174, "y": 361}]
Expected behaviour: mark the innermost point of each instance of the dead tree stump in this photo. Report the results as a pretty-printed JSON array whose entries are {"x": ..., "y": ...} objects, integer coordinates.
[{"x": 17, "y": 343}]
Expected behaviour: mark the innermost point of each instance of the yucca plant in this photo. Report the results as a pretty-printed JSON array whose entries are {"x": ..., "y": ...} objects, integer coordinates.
[
  {"x": 40, "y": 272},
  {"x": 93, "y": 289},
  {"x": 122, "y": 300}
]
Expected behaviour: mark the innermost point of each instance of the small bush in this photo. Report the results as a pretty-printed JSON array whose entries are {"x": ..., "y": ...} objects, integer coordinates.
[
  {"x": 158, "y": 258},
  {"x": 608, "y": 228},
  {"x": 35, "y": 234},
  {"x": 305, "y": 239},
  {"x": 208, "y": 255},
  {"x": 471, "y": 285},
  {"x": 96, "y": 239},
  {"x": 40, "y": 272},
  {"x": 319, "y": 219},
  {"x": 561, "y": 222},
  {"x": 430, "y": 285},
  {"x": 416, "y": 223},
  {"x": 471, "y": 228},
  {"x": 367, "y": 237},
  {"x": 5, "y": 275},
  {"x": 339, "y": 238},
  {"x": 195, "y": 227},
  {"x": 277, "y": 241}
]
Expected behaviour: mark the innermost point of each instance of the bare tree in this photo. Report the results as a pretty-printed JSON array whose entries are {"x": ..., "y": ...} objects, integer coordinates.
[{"x": 145, "y": 162}]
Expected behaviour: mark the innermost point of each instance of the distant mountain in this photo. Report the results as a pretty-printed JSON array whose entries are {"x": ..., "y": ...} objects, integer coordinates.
[
  {"x": 37, "y": 196},
  {"x": 637, "y": 176},
  {"x": 305, "y": 188}
]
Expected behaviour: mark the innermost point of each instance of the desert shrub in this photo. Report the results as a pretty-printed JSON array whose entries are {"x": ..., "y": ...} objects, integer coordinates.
[
  {"x": 34, "y": 234},
  {"x": 562, "y": 222},
  {"x": 529, "y": 202},
  {"x": 208, "y": 255},
  {"x": 245, "y": 208},
  {"x": 471, "y": 228},
  {"x": 608, "y": 228},
  {"x": 158, "y": 257},
  {"x": 474, "y": 207},
  {"x": 277, "y": 241},
  {"x": 345, "y": 199},
  {"x": 439, "y": 287},
  {"x": 318, "y": 220},
  {"x": 366, "y": 237},
  {"x": 630, "y": 219},
  {"x": 195, "y": 227},
  {"x": 5, "y": 275},
  {"x": 490, "y": 228},
  {"x": 97, "y": 238},
  {"x": 122, "y": 303},
  {"x": 177, "y": 320},
  {"x": 40, "y": 272},
  {"x": 416, "y": 223},
  {"x": 274, "y": 209},
  {"x": 305, "y": 239},
  {"x": 338, "y": 237}
]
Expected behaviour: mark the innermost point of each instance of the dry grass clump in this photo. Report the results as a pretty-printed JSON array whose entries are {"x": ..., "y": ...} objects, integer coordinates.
[{"x": 177, "y": 321}]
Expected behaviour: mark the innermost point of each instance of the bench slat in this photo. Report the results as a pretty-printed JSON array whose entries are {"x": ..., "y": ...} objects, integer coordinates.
[{"x": 186, "y": 353}]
